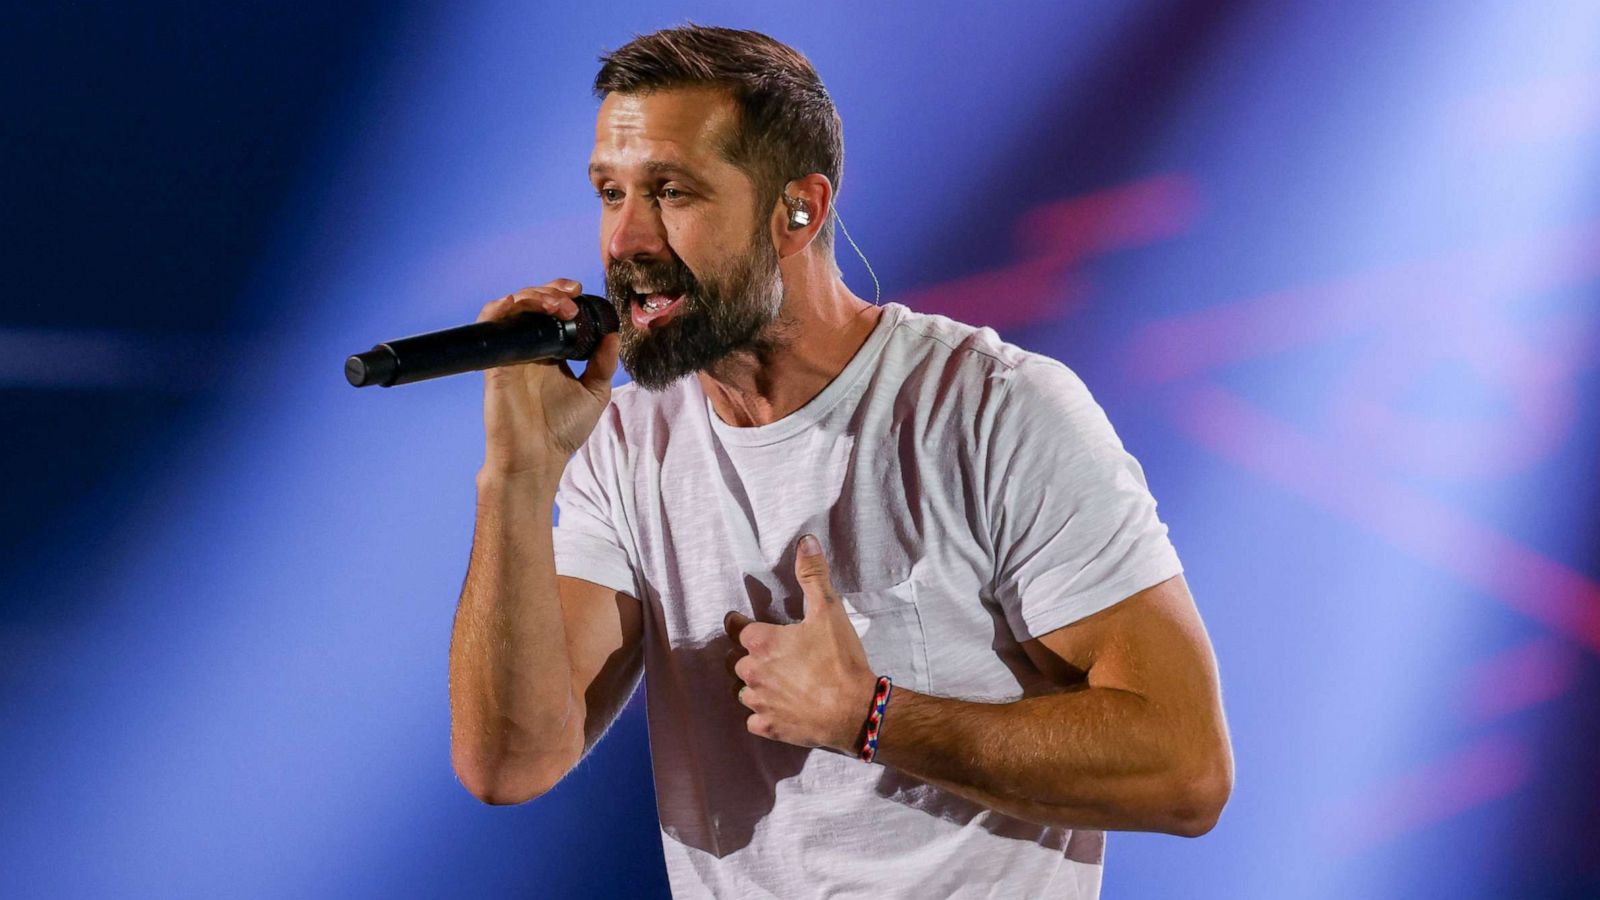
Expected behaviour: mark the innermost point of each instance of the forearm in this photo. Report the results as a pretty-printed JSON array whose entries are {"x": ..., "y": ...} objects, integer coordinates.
[
  {"x": 514, "y": 718},
  {"x": 1090, "y": 758}
]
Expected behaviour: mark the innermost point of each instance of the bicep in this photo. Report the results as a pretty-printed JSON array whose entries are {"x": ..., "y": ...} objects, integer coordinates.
[
  {"x": 1152, "y": 644},
  {"x": 605, "y": 631}
]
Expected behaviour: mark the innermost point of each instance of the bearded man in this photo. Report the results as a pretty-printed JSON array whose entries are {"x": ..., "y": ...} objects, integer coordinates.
[{"x": 910, "y": 622}]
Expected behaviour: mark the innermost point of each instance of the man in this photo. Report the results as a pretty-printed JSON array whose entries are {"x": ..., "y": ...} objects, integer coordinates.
[{"x": 803, "y": 503}]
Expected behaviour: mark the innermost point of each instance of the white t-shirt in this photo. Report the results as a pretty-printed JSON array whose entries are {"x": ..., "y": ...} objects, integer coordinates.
[{"x": 969, "y": 495}]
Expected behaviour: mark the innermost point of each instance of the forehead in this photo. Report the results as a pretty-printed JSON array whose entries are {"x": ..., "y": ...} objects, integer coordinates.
[{"x": 682, "y": 125}]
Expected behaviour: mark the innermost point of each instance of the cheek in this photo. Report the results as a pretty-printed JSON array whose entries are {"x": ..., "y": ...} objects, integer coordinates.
[
  {"x": 683, "y": 231},
  {"x": 705, "y": 237},
  {"x": 690, "y": 238}
]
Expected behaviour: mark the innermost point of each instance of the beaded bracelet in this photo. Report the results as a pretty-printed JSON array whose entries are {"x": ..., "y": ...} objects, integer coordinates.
[{"x": 880, "y": 700}]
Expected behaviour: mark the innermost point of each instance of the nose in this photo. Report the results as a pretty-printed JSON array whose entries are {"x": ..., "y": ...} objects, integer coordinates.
[{"x": 636, "y": 231}]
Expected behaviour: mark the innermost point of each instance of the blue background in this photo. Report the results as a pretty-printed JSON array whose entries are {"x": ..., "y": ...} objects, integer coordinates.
[{"x": 1332, "y": 270}]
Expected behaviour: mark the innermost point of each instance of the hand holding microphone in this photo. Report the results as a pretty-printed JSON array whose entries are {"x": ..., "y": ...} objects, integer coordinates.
[
  {"x": 535, "y": 415},
  {"x": 502, "y": 341}
]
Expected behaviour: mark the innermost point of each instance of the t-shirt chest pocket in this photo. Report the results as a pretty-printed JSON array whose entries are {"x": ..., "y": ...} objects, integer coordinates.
[{"x": 890, "y": 627}]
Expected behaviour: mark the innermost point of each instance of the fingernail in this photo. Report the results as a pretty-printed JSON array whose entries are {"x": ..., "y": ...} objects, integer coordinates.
[{"x": 810, "y": 546}]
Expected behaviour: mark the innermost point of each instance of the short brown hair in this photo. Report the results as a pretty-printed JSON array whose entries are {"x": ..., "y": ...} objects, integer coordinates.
[{"x": 788, "y": 127}]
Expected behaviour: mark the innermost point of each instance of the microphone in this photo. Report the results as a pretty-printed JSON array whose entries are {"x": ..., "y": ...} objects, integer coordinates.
[{"x": 520, "y": 338}]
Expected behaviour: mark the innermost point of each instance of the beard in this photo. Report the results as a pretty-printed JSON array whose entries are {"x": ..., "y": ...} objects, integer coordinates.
[{"x": 729, "y": 312}]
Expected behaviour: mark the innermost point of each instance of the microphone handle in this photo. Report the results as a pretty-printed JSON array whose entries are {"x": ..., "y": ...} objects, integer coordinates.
[{"x": 524, "y": 337}]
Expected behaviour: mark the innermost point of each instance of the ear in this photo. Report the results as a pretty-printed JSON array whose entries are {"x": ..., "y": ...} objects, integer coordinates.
[{"x": 814, "y": 194}]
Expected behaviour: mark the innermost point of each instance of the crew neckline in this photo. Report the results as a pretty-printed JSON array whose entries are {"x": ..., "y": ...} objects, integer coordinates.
[{"x": 820, "y": 405}]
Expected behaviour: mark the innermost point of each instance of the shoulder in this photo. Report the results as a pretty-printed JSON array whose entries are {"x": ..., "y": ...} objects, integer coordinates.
[
  {"x": 939, "y": 339},
  {"x": 973, "y": 365}
]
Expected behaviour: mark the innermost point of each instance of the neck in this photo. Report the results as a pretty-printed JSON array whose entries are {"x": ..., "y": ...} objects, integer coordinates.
[{"x": 823, "y": 325}]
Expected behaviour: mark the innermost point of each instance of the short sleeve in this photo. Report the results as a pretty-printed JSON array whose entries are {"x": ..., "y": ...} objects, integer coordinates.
[
  {"x": 588, "y": 535},
  {"x": 1072, "y": 521}
]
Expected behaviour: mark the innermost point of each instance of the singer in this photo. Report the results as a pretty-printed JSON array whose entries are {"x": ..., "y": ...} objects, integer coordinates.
[{"x": 910, "y": 622}]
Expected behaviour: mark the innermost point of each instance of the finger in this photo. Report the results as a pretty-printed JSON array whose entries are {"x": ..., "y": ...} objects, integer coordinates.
[
  {"x": 746, "y": 697},
  {"x": 546, "y": 300},
  {"x": 731, "y": 661},
  {"x": 566, "y": 286},
  {"x": 734, "y": 624},
  {"x": 496, "y": 309},
  {"x": 549, "y": 302},
  {"x": 811, "y": 568},
  {"x": 755, "y": 636},
  {"x": 744, "y": 669},
  {"x": 602, "y": 367},
  {"x": 759, "y": 726}
]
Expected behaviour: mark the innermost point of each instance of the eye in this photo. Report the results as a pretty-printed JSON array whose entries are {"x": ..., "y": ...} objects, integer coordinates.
[
  {"x": 673, "y": 194},
  {"x": 610, "y": 196}
]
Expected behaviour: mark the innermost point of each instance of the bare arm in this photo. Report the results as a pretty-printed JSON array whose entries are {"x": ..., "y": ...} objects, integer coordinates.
[
  {"x": 1135, "y": 742},
  {"x": 539, "y": 664}
]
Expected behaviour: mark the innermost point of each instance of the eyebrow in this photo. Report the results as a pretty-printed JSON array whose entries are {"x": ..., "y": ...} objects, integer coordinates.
[{"x": 652, "y": 166}]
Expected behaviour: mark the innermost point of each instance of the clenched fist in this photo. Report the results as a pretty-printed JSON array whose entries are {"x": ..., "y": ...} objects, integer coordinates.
[{"x": 537, "y": 414}]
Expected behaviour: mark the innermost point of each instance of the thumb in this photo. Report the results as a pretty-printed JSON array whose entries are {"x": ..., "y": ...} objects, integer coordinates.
[
  {"x": 600, "y": 368},
  {"x": 811, "y": 568}
]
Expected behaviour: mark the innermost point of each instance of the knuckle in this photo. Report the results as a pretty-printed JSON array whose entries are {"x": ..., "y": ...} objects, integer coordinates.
[
  {"x": 554, "y": 303},
  {"x": 816, "y": 570},
  {"x": 494, "y": 309}
]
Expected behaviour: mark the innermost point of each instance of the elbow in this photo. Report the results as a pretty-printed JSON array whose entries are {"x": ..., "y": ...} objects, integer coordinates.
[
  {"x": 506, "y": 768},
  {"x": 1201, "y": 795},
  {"x": 499, "y": 783},
  {"x": 502, "y": 792}
]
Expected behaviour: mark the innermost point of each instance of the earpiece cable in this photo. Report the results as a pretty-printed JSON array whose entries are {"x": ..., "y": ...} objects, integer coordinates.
[{"x": 877, "y": 289}]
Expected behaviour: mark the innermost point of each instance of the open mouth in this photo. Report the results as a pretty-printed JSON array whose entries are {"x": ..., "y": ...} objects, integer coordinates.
[{"x": 653, "y": 307}]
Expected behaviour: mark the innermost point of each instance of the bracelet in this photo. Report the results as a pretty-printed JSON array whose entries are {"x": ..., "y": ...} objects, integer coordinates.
[{"x": 880, "y": 700}]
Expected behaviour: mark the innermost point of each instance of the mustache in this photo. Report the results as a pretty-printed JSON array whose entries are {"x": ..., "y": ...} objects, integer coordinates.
[{"x": 669, "y": 276}]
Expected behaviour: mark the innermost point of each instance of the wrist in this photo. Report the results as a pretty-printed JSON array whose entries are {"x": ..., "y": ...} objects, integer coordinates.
[
  {"x": 539, "y": 482},
  {"x": 866, "y": 748},
  {"x": 853, "y": 720}
]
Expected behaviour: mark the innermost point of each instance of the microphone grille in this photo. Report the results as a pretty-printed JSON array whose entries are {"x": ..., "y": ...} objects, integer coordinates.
[{"x": 596, "y": 319}]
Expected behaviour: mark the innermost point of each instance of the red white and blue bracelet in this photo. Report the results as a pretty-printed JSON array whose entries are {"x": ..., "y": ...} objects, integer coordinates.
[{"x": 880, "y": 700}]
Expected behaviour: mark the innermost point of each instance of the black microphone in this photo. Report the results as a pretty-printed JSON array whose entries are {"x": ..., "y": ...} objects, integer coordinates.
[{"x": 520, "y": 338}]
